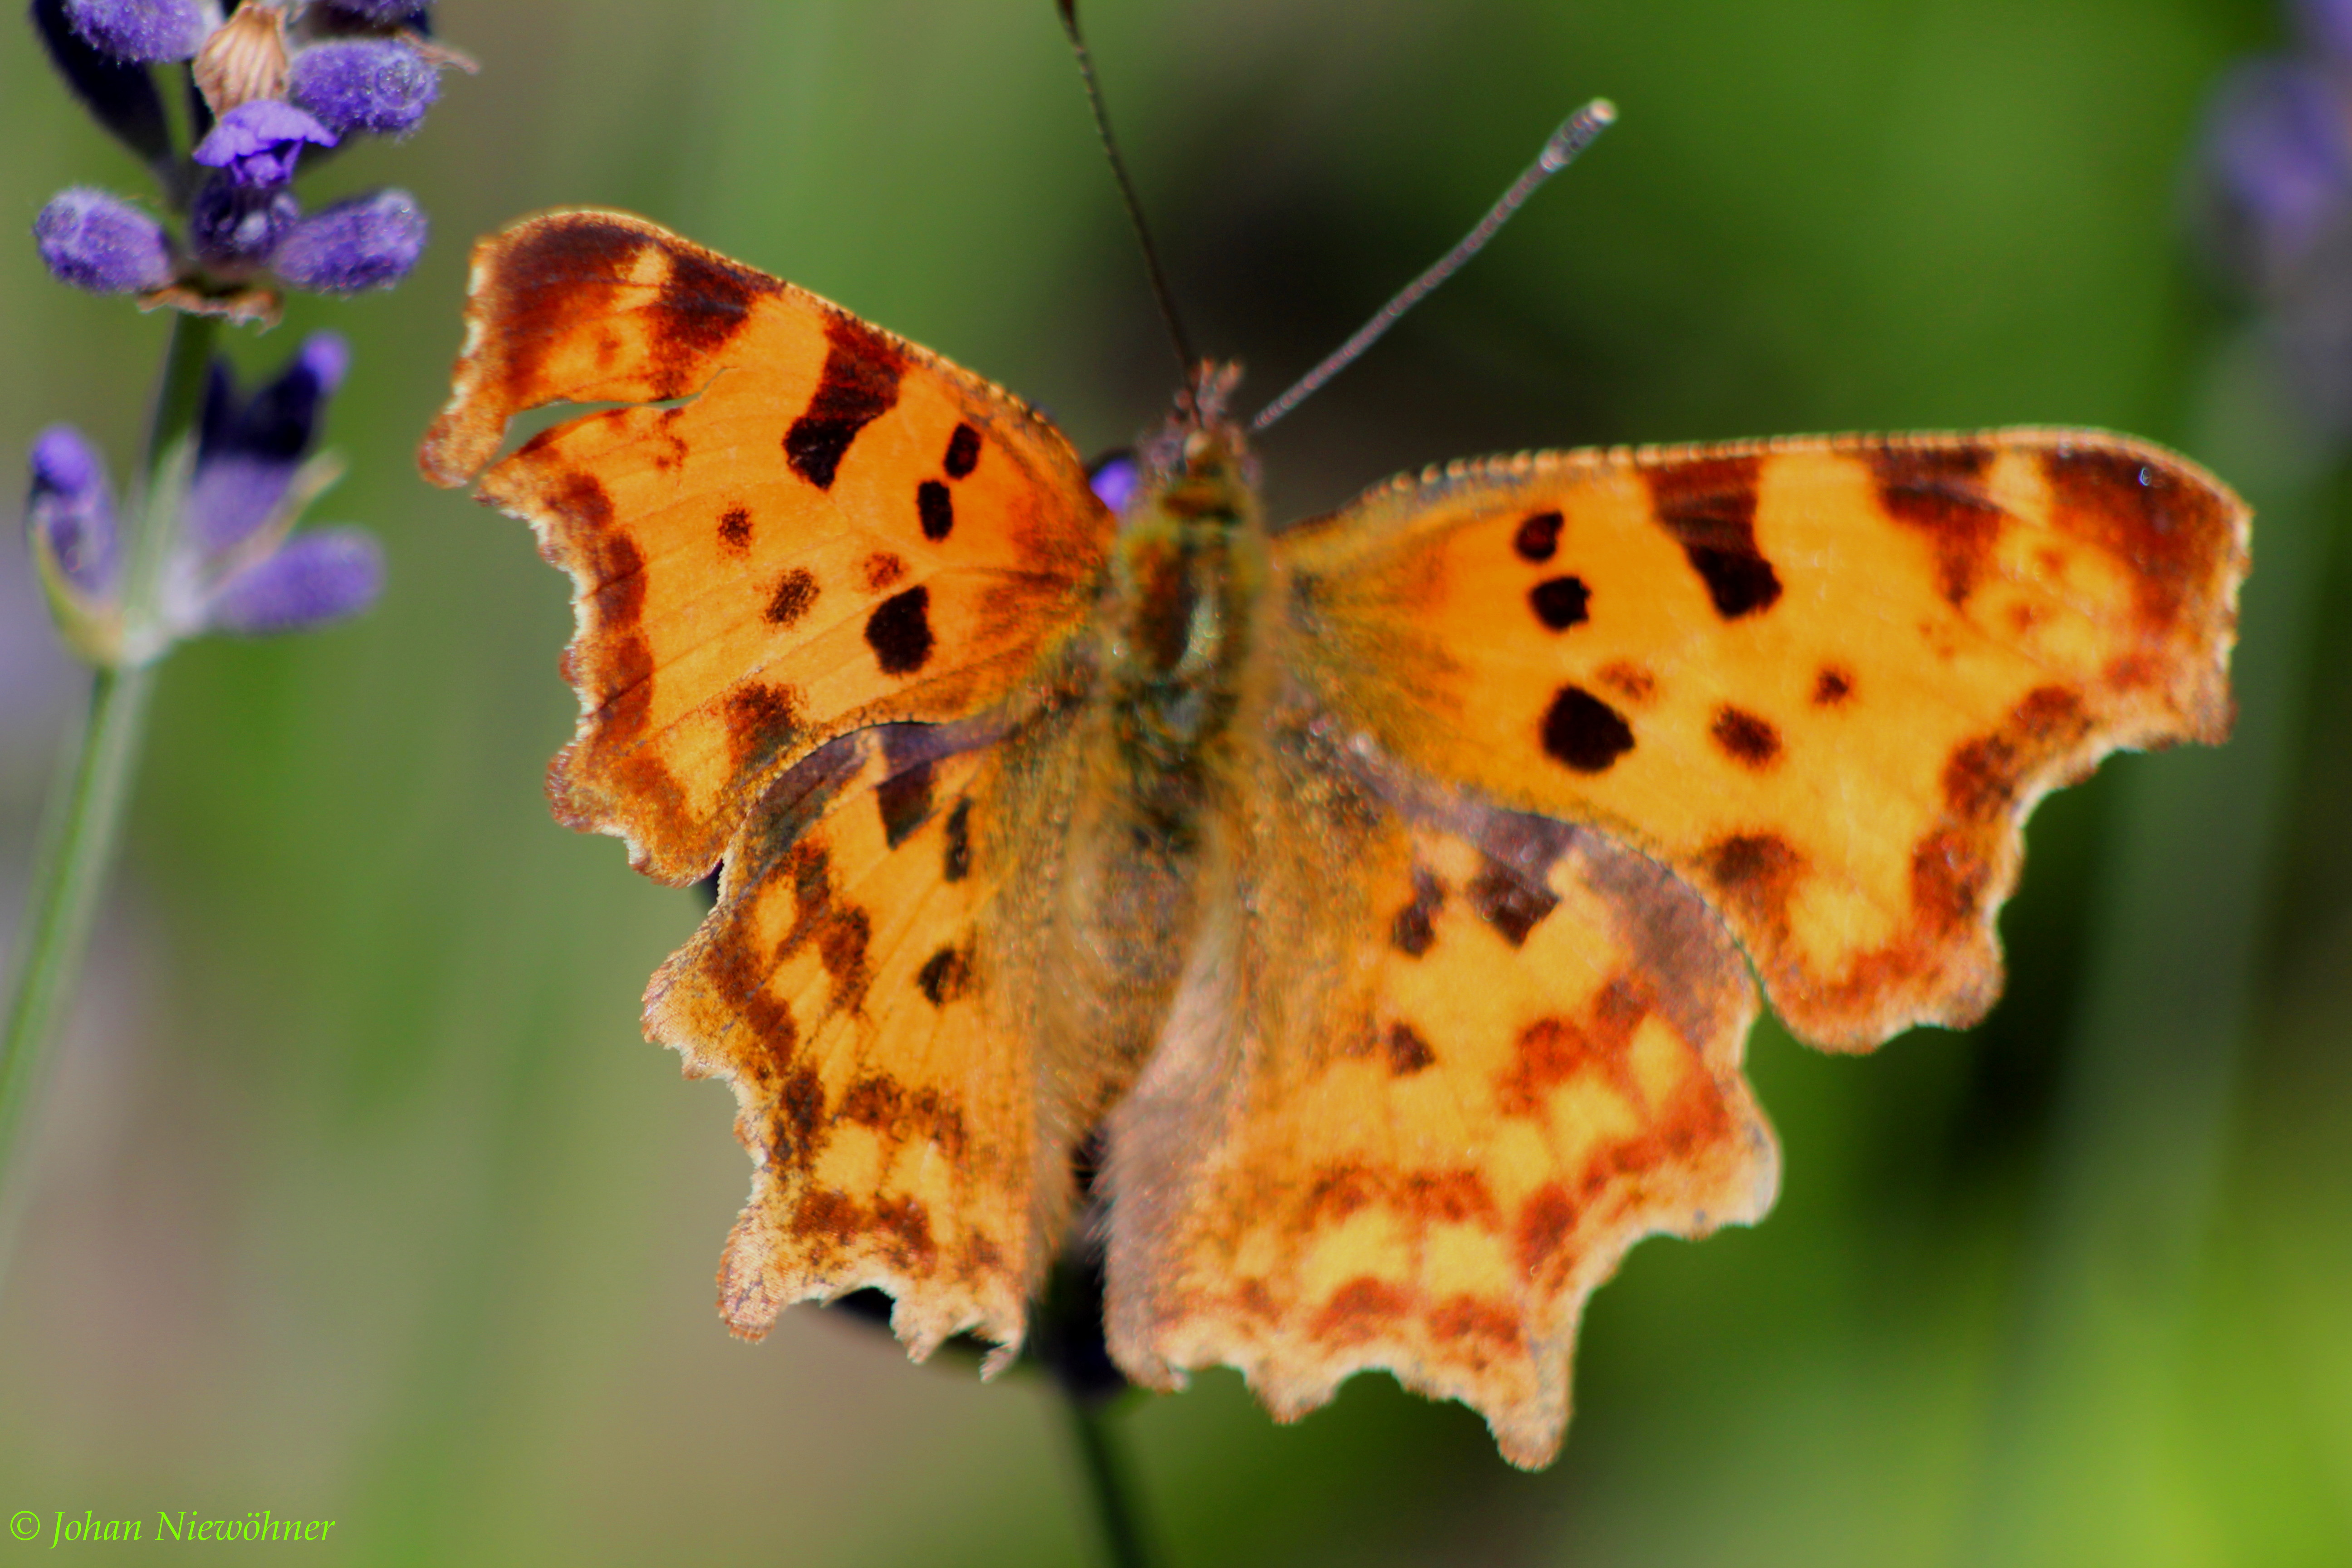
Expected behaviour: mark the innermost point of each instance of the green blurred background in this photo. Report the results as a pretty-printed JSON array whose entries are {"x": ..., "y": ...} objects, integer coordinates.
[{"x": 358, "y": 1195}]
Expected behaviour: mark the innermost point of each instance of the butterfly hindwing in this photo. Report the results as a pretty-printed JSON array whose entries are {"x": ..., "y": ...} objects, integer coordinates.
[
  {"x": 1824, "y": 679},
  {"x": 820, "y": 527}
]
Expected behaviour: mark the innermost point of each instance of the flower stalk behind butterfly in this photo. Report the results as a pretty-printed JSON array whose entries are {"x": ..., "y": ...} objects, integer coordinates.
[{"x": 207, "y": 541}]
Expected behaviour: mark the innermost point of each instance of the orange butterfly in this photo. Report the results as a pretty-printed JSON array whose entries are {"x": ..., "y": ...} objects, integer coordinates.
[{"x": 1375, "y": 890}]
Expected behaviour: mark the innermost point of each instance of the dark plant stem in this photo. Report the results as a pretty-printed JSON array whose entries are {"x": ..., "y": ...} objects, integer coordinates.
[
  {"x": 84, "y": 817},
  {"x": 1108, "y": 1484}
]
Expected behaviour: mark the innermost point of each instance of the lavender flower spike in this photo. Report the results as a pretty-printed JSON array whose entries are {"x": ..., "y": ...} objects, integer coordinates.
[
  {"x": 144, "y": 32},
  {"x": 248, "y": 454},
  {"x": 366, "y": 242},
  {"x": 70, "y": 514},
  {"x": 315, "y": 578},
  {"x": 380, "y": 86},
  {"x": 258, "y": 142},
  {"x": 94, "y": 239}
]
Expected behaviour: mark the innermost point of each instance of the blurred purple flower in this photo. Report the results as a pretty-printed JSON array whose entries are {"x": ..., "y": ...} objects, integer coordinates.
[
  {"x": 235, "y": 229},
  {"x": 259, "y": 143},
  {"x": 94, "y": 239},
  {"x": 381, "y": 13},
  {"x": 120, "y": 95},
  {"x": 2277, "y": 167},
  {"x": 321, "y": 576},
  {"x": 1116, "y": 477},
  {"x": 70, "y": 512},
  {"x": 236, "y": 566},
  {"x": 2328, "y": 24}
]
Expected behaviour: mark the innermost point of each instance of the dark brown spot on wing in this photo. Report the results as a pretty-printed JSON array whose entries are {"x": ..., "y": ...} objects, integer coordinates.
[
  {"x": 1983, "y": 776},
  {"x": 1414, "y": 930},
  {"x": 704, "y": 302},
  {"x": 883, "y": 569},
  {"x": 944, "y": 976},
  {"x": 1583, "y": 733},
  {"x": 1560, "y": 603},
  {"x": 1756, "y": 873},
  {"x": 963, "y": 452},
  {"x": 1537, "y": 539},
  {"x": 795, "y": 595},
  {"x": 1408, "y": 1052},
  {"x": 1492, "y": 1323},
  {"x": 1939, "y": 492},
  {"x": 858, "y": 385},
  {"x": 2175, "y": 533},
  {"x": 936, "y": 510},
  {"x": 880, "y": 1102},
  {"x": 1832, "y": 686},
  {"x": 761, "y": 721},
  {"x": 904, "y": 801},
  {"x": 735, "y": 529},
  {"x": 1745, "y": 738},
  {"x": 899, "y": 631},
  {"x": 955, "y": 861},
  {"x": 583, "y": 500},
  {"x": 1509, "y": 903},
  {"x": 1709, "y": 507}
]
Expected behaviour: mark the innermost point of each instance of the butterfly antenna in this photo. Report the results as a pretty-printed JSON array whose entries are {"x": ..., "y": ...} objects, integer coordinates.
[
  {"x": 1574, "y": 135},
  {"x": 1183, "y": 345}
]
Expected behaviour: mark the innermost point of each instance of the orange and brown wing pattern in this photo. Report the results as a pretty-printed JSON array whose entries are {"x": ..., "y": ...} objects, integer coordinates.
[
  {"x": 834, "y": 528},
  {"x": 1824, "y": 679},
  {"x": 887, "y": 1084},
  {"x": 1443, "y": 1070}
]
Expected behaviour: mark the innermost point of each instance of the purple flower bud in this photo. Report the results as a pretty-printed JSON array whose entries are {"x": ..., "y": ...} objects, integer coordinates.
[
  {"x": 258, "y": 142},
  {"x": 96, "y": 240},
  {"x": 122, "y": 97},
  {"x": 71, "y": 508},
  {"x": 142, "y": 32},
  {"x": 2281, "y": 147},
  {"x": 232, "y": 226},
  {"x": 321, "y": 576},
  {"x": 380, "y": 86},
  {"x": 366, "y": 242}
]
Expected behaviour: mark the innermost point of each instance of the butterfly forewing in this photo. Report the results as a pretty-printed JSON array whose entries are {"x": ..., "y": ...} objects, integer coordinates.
[
  {"x": 1824, "y": 679},
  {"x": 827, "y": 527}
]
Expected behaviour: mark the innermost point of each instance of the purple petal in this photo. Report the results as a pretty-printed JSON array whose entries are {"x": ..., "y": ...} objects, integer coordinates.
[
  {"x": 239, "y": 226},
  {"x": 367, "y": 242},
  {"x": 380, "y": 86},
  {"x": 318, "y": 576},
  {"x": 72, "y": 507},
  {"x": 94, "y": 239},
  {"x": 1116, "y": 477},
  {"x": 2280, "y": 145},
  {"x": 142, "y": 32},
  {"x": 230, "y": 497},
  {"x": 121, "y": 96},
  {"x": 249, "y": 452},
  {"x": 259, "y": 142}
]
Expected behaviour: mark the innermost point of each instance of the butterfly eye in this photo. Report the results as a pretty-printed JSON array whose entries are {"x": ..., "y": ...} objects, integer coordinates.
[{"x": 1116, "y": 477}]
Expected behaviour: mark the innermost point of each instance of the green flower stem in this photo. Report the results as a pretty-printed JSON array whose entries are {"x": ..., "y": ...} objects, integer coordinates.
[
  {"x": 85, "y": 813},
  {"x": 1108, "y": 1486}
]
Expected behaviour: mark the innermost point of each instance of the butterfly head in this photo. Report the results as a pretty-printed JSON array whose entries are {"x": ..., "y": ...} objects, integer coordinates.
[{"x": 1197, "y": 464}]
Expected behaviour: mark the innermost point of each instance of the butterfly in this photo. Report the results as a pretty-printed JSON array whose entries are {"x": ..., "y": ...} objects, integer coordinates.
[{"x": 1359, "y": 924}]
